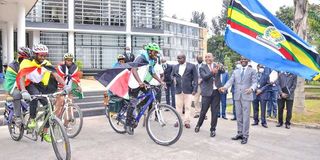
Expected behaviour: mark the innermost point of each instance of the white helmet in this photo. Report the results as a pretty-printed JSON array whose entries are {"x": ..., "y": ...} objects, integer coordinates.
[
  {"x": 68, "y": 56},
  {"x": 39, "y": 48}
]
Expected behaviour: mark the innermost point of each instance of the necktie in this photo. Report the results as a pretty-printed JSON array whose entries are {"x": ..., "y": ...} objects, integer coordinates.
[{"x": 242, "y": 73}]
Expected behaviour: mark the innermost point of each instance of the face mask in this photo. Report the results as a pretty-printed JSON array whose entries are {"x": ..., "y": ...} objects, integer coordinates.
[
  {"x": 238, "y": 66},
  {"x": 261, "y": 70}
]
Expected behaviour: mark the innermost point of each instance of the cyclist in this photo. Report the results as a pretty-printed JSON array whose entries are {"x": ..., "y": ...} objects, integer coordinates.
[
  {"x": 121, "y": 59},
  {"x": 33, "y": 78},
  {"x": 10, "y": 82},
  {"x": 138, "y": 83},
  {"x": 70, "y": 72}
]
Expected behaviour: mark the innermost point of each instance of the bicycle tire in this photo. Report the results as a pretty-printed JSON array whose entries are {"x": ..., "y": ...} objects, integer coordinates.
[
  {"x": 54, "y": 121},
  {"x": 11, "y": 128},
  {"x": 78, "y": 110},
  {"x": 179, "y": 121},
  {"x": 111, "y": 119}
]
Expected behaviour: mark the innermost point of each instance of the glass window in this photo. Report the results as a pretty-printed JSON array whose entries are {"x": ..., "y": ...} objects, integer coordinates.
[
  {"x": 57, "y": 44},
  {"x": 100, "y": 12},
  {"x": 147, "y": 13},
  {"x": 55, "y": 11}
]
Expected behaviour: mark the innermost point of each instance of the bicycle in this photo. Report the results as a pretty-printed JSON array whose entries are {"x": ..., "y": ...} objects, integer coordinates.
[
  {"x": 158, "y": 120},
  {"x": 57, "y": 131},
  {"x": 71, "y": 117}
]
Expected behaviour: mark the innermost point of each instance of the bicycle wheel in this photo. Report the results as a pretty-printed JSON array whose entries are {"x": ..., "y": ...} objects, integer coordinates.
[
  {"x": 164, "y": 126},
  {"x": 72, "y": 120},
  {"x": 60, "y": 139},
  {"x": 117, "y": 120},
  {"x": 16, "y": 132}
]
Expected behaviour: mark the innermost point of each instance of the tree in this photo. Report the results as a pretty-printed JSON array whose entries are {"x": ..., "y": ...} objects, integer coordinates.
[
  {"x": 199, "y": 18},
  {"x": 219, "y": 23},
  {"x": 300, "y": 27},
  {"x": 286, "y": 15}
]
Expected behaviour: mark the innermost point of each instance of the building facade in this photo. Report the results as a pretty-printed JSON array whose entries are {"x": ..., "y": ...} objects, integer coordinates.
[{"x": 96, "y": 31}]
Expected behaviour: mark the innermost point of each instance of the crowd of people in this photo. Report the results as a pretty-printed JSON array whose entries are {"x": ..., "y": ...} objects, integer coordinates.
[{"x": 205, "y": 85}]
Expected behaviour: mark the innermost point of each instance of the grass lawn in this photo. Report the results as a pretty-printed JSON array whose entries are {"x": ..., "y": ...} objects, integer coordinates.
[{"x": 311, "y": 113}]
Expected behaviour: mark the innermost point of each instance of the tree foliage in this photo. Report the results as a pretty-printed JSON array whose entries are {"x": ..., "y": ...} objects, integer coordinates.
[{"x": 199, "y": 18}]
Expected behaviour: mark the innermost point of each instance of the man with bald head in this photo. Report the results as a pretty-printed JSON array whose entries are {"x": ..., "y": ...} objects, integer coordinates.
[
  {"x": 185, "y": 78},
  {"x": 211, "y": 82}
]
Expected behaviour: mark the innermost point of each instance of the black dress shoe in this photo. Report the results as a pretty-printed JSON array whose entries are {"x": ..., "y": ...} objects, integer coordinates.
[
  {"x": 264, "y": 125},
  {"x": 197, "y": 129},
  {"x": 255, "y": 124},
  {"x": 244, "y": 140},
  {"x": 237, "y": 137},
  {"x": 233, "y": 119},
  {"x": 212, "y": 134},
  {"x": 224, "y": 117},
  {"x": 279, "y": 125},
  {"x": 288, "y": 126},
  {"x": 196, "y": 116}
]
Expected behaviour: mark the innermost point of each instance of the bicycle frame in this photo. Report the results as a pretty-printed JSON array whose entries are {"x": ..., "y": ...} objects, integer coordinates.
[{"x": 151, "y": 97}]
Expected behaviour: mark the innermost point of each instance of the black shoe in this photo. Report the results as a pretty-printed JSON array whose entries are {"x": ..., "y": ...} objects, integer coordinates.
[
  {"x": 244, "y": 140},
  {"x": 206, "y": 118},
  {"x": 212, "y": 134},
  {"x": 279, "y": 125},
  {"x": 197, "y": 129},
  {"x": 255, "y": 124},
  {"x": 196, "y": 116},
  {"x": 264, "y": 125},
  {"x": 288, "y": 126},
  {"x": 129, "y": 130},
  {"x": 224, "y": 117},
  {"x": 233, "y": 119},
  {"x": 237, "y": 137}
]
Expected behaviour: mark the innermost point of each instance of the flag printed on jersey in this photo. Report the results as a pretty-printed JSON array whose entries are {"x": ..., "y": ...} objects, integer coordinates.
[
  {"x": 255, "y": 33},
  {"x": 71, "y": 76},
  {"x": 34, "y": 72}
]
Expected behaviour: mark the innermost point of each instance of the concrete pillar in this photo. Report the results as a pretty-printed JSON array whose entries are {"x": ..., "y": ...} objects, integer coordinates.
[
  {"x": 4, "y": 37},
  {"x": 71, "y": 26},
  {"x": 21, "y": 38},
  {"x": 10, "y": 38},
  {"x": 128, "y": 24}
]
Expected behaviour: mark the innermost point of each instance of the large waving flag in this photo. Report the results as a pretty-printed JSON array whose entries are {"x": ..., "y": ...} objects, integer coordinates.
[{"x": 255, "y": 33}]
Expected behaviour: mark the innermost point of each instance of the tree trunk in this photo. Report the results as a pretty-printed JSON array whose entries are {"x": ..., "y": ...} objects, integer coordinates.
[{"x": 300, "y": 27}]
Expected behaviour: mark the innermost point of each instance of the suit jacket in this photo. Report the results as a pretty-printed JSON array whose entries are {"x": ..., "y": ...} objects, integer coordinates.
[
  {"x": 249, "y": 80},
  {"x": 129, "y": 58},
  {"x": 288, "y": 81},
  {"x": 263, "y": 85},
  {"x": 207, "y": 80},
  {"x": 167, "y": 74},
  {"x": 188, "y": 82}
]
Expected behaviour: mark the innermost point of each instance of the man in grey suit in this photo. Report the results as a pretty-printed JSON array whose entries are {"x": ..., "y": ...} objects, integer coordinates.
[
  {"x": 211, "y": 82},
  {"x": 185, "y": 77},
  {"x": 245, "y": 82}
]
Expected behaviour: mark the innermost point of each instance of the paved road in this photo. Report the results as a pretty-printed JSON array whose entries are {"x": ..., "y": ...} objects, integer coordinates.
[{"x": 97, "y": 141}]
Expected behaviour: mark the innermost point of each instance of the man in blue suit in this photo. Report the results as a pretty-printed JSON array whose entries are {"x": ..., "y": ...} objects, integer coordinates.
[
  {"x": 261, "y": 96},
  {"x": 223, "y": 96}
]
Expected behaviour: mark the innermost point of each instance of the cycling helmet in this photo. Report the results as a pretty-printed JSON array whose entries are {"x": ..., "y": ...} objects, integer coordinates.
[
  {"x": 40, "y": 48},
  {"x": 24, "y": 52},
  {"x": 68, "y": 56},
  {"x": 152, "y": 47},
  {"x": 121, "y": 57}
]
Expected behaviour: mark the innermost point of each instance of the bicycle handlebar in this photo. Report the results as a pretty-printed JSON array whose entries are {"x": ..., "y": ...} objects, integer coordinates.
[{"x": 49, "y": 95}]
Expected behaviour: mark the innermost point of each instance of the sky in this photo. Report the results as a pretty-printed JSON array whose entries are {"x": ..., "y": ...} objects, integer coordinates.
[{"x": 212, "y": 8}]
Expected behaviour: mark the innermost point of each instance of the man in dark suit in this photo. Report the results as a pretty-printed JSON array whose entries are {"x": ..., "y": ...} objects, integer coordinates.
[
  {"x": 129, "y": 57},
  {"x": 170, "y": 88},
  {"x": 287, "y": 83},
  {"x": 196, "y": 100},
  {"x": 185, "y": 78},
  {"x": 261, "y": 96},
  {"x": 211, "y": 82},
  {"x": 223, "y": 96}
]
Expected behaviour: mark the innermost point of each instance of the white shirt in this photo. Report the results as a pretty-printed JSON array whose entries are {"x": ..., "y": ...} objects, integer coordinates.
[
  {"x": 214, "y": 84},
  {"x": 182, "y": 68},
  {"x": 158, "y": 70}
]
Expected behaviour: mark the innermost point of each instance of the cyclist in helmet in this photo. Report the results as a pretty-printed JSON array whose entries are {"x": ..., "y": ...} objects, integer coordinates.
[
  {"x": 138, "y": 82},
  {"x": 121, "y": 59},
  {"x": 33, "y": 78},
  {"x": 10, "y": 82},
  {"x": 70, "y": 72}
]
